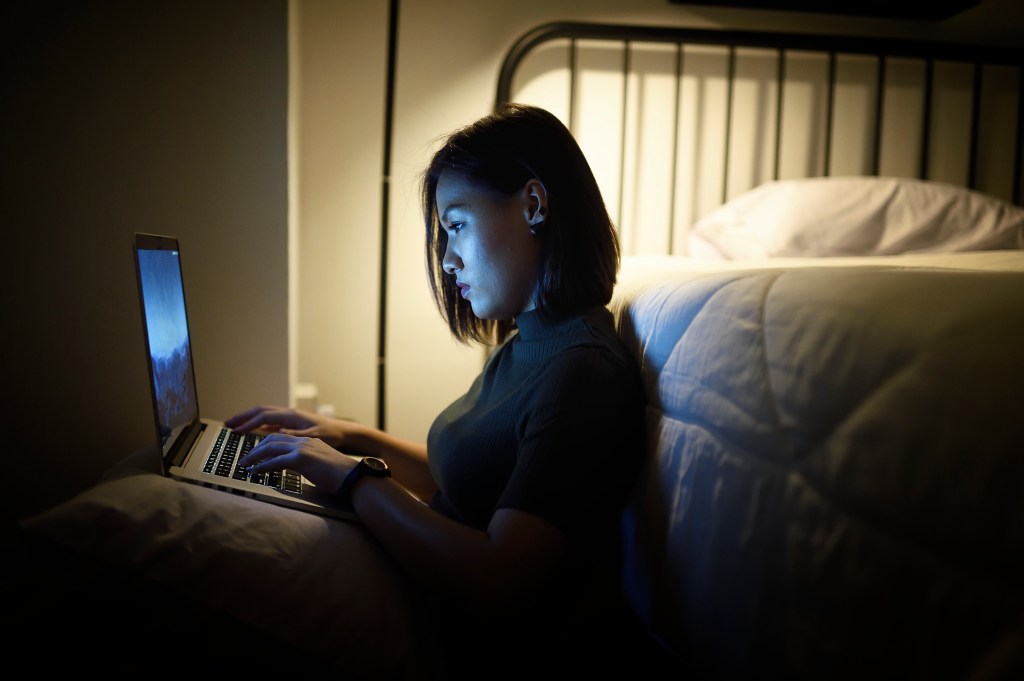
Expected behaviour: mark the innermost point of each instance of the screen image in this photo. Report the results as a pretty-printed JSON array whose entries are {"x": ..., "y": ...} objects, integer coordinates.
[{"x": 167, "y": 332}]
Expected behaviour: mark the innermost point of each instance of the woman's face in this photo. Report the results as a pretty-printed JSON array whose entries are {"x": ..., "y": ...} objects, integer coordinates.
[{"x": 491, "y": 252}]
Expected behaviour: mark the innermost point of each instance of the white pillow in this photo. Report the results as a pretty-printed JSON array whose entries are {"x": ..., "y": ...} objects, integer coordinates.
[
  {"x": 856, "y": 216},
  {"x": 324, "y": 585}
]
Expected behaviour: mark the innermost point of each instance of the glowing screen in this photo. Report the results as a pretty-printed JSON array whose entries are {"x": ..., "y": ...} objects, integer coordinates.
[{"x": 163, "y": 299}]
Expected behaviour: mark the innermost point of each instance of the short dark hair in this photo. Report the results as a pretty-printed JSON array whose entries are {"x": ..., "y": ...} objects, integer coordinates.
[{"x": 579, "y": 249}]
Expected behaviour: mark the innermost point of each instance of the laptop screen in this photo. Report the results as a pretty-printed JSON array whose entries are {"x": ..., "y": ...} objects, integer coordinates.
[{"x": 167, "y": 339}]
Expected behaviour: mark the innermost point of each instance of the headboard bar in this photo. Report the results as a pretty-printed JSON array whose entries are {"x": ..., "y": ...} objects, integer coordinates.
[
  {"x": 830, "y": 109},
  {"x": 780, "y": 77},
  {"x": 1018, "y": 162},
  {"x": 730, "y": 81},
  {"x": 926, "y": 120},
  {"x": 876, "y": 160},
  {"x": 972, "y": 159}
]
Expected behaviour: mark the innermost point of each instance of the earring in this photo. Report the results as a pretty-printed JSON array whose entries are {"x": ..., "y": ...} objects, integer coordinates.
[{"x": 537, "y": 222}]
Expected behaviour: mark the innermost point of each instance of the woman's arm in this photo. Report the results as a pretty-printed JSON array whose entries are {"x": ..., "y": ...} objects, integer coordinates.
[
  {"x": 497, "y": 566},
  {"x": 407, "y": 459},
  {"x": 508, "y": 560}
]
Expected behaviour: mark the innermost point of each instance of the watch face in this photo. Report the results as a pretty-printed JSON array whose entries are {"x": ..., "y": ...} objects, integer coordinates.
[{"x": 375, "y": 463}]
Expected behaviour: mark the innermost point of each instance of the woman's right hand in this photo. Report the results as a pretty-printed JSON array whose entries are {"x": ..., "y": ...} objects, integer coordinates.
[
  {"x": 297, "y": 422},
  {"x": 407, "y": 458}
]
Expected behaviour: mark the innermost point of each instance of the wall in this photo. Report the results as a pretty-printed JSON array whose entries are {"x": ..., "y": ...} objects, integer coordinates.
[
  {"x": 166, "y": 116},
  {"x": 340, "y": 51}
]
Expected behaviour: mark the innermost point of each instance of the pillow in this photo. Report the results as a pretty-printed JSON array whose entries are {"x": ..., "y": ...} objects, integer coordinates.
[
  {"x": 856, "y": 216},
  {"x": 323, "y": 585}
]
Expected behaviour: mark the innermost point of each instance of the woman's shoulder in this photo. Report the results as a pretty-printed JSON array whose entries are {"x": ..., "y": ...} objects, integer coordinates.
[
  {"x": 600, "y": 326},
  {"x": 601, "y": 321},
  {"x": 596, "y": 356},
  {"x": 571, "y": 344}
]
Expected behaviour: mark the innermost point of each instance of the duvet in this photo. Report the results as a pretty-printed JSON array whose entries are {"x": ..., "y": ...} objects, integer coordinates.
[{"x": 836, "y": 461}]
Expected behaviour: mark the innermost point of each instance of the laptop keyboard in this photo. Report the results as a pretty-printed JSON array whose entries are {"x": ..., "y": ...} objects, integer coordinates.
[{"x": 230, "y": 447}]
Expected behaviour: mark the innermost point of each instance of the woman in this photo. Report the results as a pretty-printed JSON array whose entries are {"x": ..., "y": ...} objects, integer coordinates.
[{"x": 507, "y": 516}]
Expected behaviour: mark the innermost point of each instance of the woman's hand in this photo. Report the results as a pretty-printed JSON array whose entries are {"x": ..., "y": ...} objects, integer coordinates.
[
  {"x": 407, "y": 459},
  {"x": 319, "y": 462},
  {"x": 268, "y": 419}
]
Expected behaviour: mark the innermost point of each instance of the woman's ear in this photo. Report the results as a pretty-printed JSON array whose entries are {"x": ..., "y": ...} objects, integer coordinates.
[{"x": 536, "y": 204}]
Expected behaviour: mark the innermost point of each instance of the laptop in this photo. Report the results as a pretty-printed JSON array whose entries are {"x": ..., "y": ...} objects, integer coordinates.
[{"x": 194, "y": 449}]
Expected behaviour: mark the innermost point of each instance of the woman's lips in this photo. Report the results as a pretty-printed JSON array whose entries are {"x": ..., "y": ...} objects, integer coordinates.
[{"x": 463, "y": 288}]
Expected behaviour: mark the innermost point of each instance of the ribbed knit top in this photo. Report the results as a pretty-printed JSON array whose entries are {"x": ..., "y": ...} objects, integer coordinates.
[{"x": 553, "y": 426}]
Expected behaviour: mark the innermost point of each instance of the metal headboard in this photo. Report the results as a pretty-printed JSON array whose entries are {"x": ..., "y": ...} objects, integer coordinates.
[{"x": 992, "y": 78}]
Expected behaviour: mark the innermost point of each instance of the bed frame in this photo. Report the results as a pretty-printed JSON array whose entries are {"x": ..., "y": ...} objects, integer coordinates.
[{"x": 700, "y": 116}]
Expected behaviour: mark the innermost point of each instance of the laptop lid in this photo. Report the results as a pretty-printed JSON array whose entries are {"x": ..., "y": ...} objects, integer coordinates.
[{"x": 168, "y": 346}]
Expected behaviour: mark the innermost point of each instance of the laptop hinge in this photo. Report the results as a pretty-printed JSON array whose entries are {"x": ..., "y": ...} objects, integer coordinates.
[{"x": 179, "y": 452}]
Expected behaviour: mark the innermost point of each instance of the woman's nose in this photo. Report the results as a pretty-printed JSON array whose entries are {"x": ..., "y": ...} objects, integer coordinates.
[{"x": 451, "y": 262}]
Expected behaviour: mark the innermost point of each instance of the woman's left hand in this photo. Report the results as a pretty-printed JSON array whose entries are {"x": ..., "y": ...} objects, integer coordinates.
[{"x": 313, "y": 458}]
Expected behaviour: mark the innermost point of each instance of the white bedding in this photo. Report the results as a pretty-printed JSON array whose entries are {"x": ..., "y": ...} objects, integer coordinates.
[{"x": 830, "y": 438}]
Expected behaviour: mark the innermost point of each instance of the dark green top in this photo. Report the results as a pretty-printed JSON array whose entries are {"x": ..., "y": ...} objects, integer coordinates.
[{"x": 554, "y": 425}]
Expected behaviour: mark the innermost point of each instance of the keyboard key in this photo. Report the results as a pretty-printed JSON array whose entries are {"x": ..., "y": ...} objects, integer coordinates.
[{"x": 230, "y": 447}]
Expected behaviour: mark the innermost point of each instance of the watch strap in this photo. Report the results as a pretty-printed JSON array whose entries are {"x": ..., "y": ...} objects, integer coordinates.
[{"x": 355, "y": 475}]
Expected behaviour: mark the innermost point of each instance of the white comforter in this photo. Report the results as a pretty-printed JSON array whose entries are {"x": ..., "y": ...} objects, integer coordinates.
[{"x": 837, "y": 459}]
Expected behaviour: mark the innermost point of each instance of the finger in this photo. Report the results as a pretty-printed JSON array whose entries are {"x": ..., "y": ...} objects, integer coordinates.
[
  {"x": 250, "y": 426},
  {"x": 243, "y": 427},
  {"x": 269, "y": 421},
  {"x": 243, "y": 416},
  {"x": 278, "y": 438},
  {"x": 300, "y": 432},
  {"x": 270, "y": 447},
  {"x": 251, "y": 414},
  {"x": 286, "y": 459}
]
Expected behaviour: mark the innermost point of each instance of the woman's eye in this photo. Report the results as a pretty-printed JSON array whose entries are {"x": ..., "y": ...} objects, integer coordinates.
[{"x": 456, "y": 227}]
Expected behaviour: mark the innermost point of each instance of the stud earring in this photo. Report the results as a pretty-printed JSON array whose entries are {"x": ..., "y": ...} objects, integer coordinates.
[{"x": 537, "y": 220}]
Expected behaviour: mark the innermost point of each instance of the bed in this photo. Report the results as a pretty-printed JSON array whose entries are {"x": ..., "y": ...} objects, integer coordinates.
[{"x": 823, "y": 284}]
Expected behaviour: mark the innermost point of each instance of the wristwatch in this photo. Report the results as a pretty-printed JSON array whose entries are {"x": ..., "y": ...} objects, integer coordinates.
[{"x": 368, "y": 465}]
